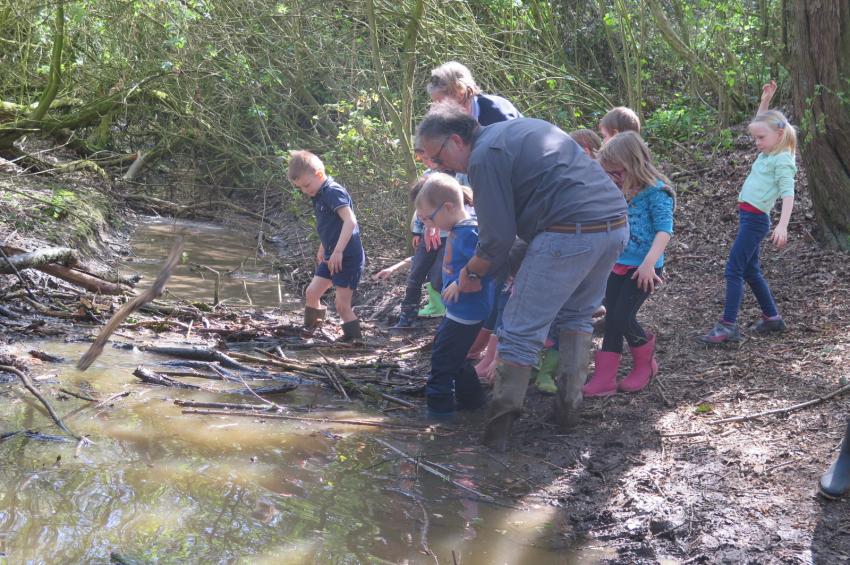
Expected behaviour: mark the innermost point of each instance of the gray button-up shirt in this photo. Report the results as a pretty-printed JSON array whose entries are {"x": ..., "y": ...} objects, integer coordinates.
[{"x": 527, "y": 175}]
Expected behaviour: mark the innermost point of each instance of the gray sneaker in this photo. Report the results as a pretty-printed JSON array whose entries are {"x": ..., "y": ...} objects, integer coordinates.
[
  {"x": 769, "y": 325},
  {"x": 722, "y": 332}
]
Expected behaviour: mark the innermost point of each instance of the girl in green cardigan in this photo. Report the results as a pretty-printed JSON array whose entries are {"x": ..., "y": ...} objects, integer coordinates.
[{"x": 771, "y": 178}]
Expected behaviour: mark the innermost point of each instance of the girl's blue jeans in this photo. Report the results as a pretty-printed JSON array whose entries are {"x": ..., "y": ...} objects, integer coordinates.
[{"x": 743, "y": 265}]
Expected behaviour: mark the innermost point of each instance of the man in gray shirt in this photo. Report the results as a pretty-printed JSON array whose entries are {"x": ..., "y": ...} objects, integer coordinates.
[{"x": 531, "y": 180}]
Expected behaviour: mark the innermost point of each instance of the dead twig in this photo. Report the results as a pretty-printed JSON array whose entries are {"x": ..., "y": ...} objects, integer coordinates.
[
  {"x": 79, "y": 395},
  {"x": 435, "y": 472},
  {"x": 423, "y": 538},
  {"x": 785, "y": 410},
  {"x": 26, "y": 382}
]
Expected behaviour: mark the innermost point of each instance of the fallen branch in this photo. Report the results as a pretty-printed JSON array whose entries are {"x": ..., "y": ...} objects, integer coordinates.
[
  {"x": 79, "y": 395},
  {"x": 150, "y": 377},
  {"x": 72, "y": 275},
  {"x": 150, "y": 294},
  {"x": 222, "y": 405},
  {"x": 271, "y": 361},
  {"x": 26, "y": 382},
  {"x": 17, "y": 274},
  {"x": 786, "y": 410},
  {"x": 305, "y": 419},
  {"x": 154, "y": 378},
  {"x": 201, "y": 354},
  {"x": 335, "y": 382},
  {"x": 404, "y": 403},
  {"x": 38, "y": 259}
]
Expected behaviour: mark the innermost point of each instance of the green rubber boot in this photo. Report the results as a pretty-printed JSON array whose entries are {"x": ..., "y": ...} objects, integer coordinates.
[
  {"x": 434, "y": 308},
  {"x": 547, "y": 368}
]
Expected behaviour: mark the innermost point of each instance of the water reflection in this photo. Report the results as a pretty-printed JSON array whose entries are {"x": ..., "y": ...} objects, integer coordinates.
[
  {"x": 159, "y": 486},
  {"x": 230, "y": 251}
]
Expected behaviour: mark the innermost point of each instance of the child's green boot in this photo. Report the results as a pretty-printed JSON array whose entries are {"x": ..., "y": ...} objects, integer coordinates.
[
  {"x": 547, "y": 369},
  {"x": 434, "y": 308}
]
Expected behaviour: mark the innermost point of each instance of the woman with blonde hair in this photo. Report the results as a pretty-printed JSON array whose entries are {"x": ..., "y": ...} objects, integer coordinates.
[{"x": 454, "y": 81}]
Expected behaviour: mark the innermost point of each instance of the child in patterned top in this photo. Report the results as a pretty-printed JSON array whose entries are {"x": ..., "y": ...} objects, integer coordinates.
[{"x": 626, "y": 158}]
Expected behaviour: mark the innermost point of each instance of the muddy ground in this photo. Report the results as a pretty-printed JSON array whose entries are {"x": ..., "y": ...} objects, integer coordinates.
[{"x": 648, "y": 474}]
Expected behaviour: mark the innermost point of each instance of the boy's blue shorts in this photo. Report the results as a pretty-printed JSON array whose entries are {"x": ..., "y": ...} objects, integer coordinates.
[{"x": 348, "y": 277}]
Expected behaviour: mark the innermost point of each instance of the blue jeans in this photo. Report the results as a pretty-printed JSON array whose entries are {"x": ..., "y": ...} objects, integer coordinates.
[
  {"x": 562, "y": 280},
  {"x": 425, "y": 264},
  {"x": 743, "y": 265},
  {"x": 452, "y": 375}
]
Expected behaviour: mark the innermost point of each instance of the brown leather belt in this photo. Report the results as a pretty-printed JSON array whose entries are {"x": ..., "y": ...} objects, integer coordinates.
[{"x": 589, "y": 228}]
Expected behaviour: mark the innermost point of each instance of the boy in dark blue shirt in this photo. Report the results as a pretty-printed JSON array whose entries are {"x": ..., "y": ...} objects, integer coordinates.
[
  {"x": 453, "y": 382},
  {"x": 340, "y": 258}
]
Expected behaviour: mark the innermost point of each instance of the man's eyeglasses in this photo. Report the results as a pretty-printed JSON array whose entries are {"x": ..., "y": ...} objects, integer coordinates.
[
  {"x": 430, "y": 217},
  {"x": 436, "y": 158}
]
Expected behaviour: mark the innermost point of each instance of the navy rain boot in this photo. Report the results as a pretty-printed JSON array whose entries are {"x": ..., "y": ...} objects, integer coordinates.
[{"x": 836, "y": 481}]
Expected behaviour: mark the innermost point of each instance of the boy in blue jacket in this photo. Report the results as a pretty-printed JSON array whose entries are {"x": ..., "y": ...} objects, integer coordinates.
[{"x": 453, "y": 383}]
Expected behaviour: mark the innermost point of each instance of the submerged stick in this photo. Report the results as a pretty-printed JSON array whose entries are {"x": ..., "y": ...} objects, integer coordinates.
[
  {"x": 79, "y": 395},
  {"x": 25, "y": 380},
  {"x": 201, "y": 354},
  {"x": 148, "y": 296},
  {"x": 151, "y": 377},
  {"x": 433, "y": 471},
  {"x": 245, "y": 289},
  {"x": 222, "y": 405}
]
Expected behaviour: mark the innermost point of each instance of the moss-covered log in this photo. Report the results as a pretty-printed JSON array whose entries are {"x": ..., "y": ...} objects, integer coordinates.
[{"x": 38, "y": 259}]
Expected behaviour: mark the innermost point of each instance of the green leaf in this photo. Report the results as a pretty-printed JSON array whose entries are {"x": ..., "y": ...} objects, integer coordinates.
[{"x": 704, "y": 408}]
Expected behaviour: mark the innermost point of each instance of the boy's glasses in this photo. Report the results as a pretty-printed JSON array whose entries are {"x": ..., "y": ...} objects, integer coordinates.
[
  {"x": 430, "y": 217},
  {"x": 436, "y": 158}
]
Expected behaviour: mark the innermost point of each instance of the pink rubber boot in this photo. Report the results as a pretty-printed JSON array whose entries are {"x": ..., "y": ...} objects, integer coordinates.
[
  {"x": 604, "y": 379},
  {"x": 484, "y": 368},
  {"x": 644, "y": 367}
]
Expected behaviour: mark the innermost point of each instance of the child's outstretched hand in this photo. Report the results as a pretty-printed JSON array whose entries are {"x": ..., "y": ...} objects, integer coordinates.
[
  {"x": 451, "y": 293},
  {"x": 780, "y": 236},
  {"x": 767, "y": 92},
  {"x": 383, "y": 274},
  {"x": 646, "y": 277}
]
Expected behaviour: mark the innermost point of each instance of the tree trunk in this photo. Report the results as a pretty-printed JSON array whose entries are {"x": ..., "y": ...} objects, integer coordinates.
[
  {"x": 821, "y": 73},
  {"x": 55, "y": 77}
]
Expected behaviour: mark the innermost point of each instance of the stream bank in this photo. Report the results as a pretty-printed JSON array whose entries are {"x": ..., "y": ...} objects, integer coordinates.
[{"x": 645, "y": 478}]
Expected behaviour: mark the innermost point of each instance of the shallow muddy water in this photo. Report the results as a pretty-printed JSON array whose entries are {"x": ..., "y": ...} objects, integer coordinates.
[
  {"x": 227, "y": 250},
  {"x": 158, "y": 486}
]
